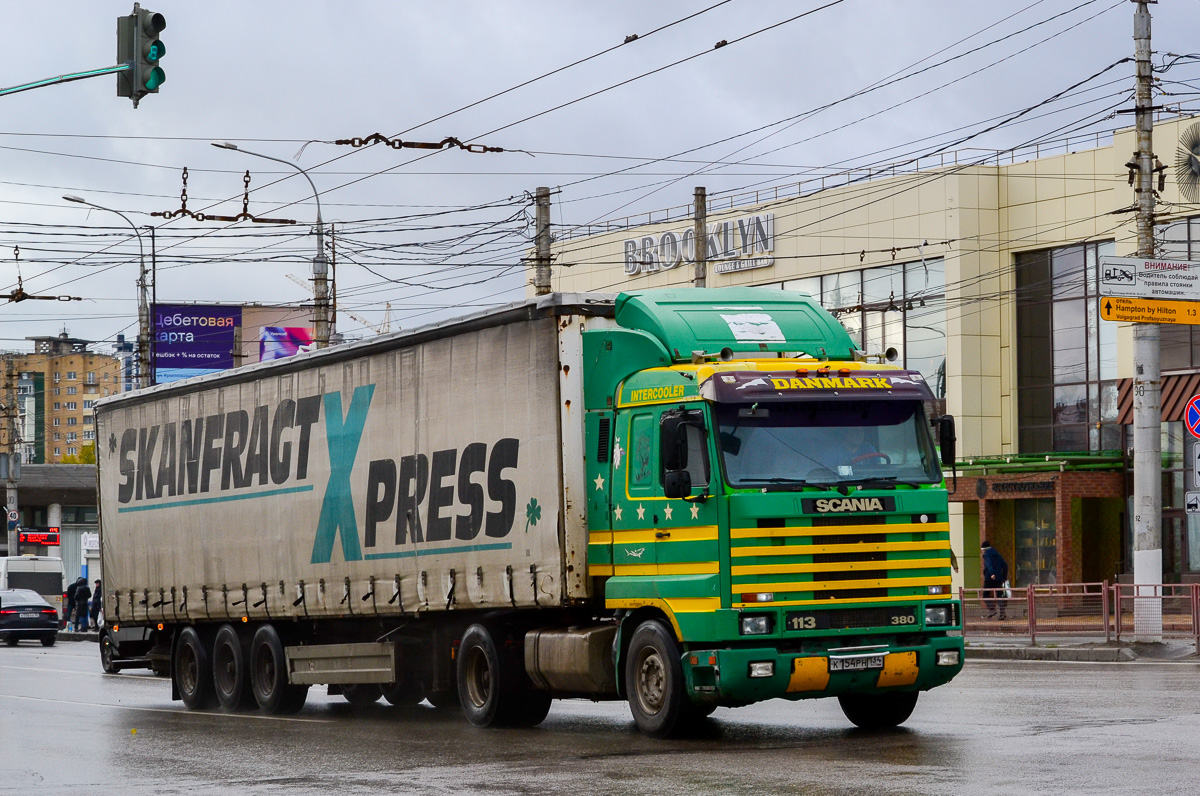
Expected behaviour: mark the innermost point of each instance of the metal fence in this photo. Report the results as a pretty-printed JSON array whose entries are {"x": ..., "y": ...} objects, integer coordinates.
[{"x": 1111, "y": 611}]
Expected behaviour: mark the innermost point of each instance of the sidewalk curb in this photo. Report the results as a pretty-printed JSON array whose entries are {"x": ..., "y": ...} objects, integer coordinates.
[
  {"x": 70, "y": 635},
  {"x": 1094, "y": 654}
]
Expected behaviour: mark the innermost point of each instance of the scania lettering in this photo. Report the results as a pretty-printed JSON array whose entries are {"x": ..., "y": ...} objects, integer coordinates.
[{"x": 650, "y": 497}]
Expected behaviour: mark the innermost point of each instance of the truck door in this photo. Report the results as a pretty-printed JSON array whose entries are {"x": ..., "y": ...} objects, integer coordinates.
[{"x": 636, "y": 492}]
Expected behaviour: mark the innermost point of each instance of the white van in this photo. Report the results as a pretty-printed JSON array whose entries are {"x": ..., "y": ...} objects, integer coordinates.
[{"x": 42, "y": 574}]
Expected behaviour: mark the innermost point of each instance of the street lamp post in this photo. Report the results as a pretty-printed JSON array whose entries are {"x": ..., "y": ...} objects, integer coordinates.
[
  {"x": 320, "y": 263},
  {"x": 145, "y": 366}
]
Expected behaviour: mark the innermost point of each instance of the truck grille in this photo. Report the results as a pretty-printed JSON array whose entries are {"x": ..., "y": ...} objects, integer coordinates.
[{"x": 840, "y": 559}]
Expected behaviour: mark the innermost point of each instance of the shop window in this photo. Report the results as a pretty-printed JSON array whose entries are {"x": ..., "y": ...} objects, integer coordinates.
[{"x": 1035, "y": 542}]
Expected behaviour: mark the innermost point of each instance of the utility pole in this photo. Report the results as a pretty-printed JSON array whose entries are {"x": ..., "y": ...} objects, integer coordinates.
[
  {"x": 1147, "y": 414},
  {"x": 541, "y": 273},
  {"x": 12, "y": 454},
  {"x": 700, "y": 235},
  {"x": 153, "y": 307},
  {"x": 145, "y": 367}
]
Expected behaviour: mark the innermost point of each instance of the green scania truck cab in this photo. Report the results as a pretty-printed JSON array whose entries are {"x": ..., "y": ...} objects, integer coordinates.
[{"x": 766, "y": 510}]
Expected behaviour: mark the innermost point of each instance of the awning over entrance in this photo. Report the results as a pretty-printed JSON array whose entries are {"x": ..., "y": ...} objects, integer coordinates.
[{"x": 1177, "y": 390}]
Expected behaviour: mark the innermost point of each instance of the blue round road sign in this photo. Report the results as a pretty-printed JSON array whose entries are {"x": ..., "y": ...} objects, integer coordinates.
[{"x": 1192, "y": 416}]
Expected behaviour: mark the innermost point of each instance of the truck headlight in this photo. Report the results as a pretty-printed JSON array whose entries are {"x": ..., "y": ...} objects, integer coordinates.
[
  {"x": 762, "y": 669},
  {"x": 756, "y": 625},
  {"x": 947, "y": 658},
  {"x": 936, "y": 615}
]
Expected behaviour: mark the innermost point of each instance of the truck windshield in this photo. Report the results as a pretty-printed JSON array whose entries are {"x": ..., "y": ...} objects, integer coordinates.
[{"x": 821, "y": 443}]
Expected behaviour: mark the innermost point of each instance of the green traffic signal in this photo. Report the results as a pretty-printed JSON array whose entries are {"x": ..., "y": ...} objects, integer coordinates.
[
  {"x": 138, "y": 46},
  {"x": 155, "y": 50},
  {"x": 154, "y": 78}
]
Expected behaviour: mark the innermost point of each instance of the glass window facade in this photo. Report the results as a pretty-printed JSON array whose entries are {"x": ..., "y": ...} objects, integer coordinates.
[
  {"x": 1066, "y": 357},
  {"x": 1179, "y": 344},
  {"x": 900, "y": 306}
]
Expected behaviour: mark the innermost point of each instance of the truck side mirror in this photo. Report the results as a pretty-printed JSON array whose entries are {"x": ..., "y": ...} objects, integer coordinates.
[
  {"x": 947, "y": 441},
  {"x": 673, "y": 442},
  {"x": 677, "y": 483}
]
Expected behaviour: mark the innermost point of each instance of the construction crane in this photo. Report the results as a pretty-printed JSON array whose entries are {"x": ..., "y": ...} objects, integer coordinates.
[{"x": 383, "y": 327}]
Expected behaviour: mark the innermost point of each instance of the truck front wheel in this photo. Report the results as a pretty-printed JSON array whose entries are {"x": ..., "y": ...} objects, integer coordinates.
[
  {"x": 268, "y": 674},
  {"x": 231, "y": 665},
  {"x": 193, "y": 670},
  {"x": 108, "y": 659},
  {"x": 878, "y": 711},
  {"x": 654, "y": 681}
]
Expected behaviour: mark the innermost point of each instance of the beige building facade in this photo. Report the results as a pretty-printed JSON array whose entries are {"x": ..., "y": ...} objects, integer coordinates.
[{"x": 985, "y": 274}]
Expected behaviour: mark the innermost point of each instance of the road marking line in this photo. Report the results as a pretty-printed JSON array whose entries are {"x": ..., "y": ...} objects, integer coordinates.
[{"x": 175, "y": 711}]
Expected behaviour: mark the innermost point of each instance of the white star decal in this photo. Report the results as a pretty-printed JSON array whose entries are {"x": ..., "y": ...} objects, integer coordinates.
[
  {"x": 695, "y": 511},
  {"x": 599, "y": 482},
  {"x": 641, "y": 512},
  {"x": 617, "y": 513},
  {"x": 667, "y": 511}
]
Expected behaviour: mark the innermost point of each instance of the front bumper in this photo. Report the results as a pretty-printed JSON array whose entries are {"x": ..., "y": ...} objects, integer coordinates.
[{"x": 722, "y": 676}]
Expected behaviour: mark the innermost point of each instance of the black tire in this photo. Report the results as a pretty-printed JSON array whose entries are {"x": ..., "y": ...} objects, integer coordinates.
[
  {"x": 443, "y": 700},
  {"x": 878, "y": 711},
  {"x": 492, "y": 685},
  {"x": 231, "y": 669},
  {"x": 362, "y": 694},
  {"x": 403, "y": 694},
  {"x": 48, "y": 641},
  {"x": 533, "y": 709},
  {"x": 10, "y": 641},
  {"x": 654, "y": 681},
  {"x": 108, "y": 655},
  {"x": 268, "y": 675},
  {"x": 193, "y": 670}
]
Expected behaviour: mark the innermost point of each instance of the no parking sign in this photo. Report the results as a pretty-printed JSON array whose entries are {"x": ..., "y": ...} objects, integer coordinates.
[{"x": 1191, "y": 416}]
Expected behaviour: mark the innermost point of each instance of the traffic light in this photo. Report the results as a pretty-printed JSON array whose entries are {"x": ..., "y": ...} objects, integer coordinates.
[{"x": 139, "y": 46}]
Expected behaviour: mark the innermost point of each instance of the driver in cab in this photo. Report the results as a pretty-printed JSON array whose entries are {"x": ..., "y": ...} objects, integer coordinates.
[{"x": 853, "y": 448}]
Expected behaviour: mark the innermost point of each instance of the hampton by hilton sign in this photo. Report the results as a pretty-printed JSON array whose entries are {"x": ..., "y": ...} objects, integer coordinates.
[{"x": 734, "y": 245}]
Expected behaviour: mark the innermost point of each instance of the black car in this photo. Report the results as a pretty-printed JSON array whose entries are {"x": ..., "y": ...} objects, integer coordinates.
[{"x": 24, "y": 614}]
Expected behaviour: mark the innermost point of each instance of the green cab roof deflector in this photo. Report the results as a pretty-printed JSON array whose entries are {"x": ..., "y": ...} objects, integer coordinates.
[{"x": 742, "y": 319}]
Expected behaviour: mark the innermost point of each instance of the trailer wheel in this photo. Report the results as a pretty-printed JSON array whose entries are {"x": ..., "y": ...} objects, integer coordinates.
[
  {"x": 444, "y": 699},
  {"x": 403, "y": 694},
  {"x": 193, "y": 670},
  {"x": 362, "y": 694},
  {"x": 231, "y": 665},
  {"x": 268, "y": 674},
  {"x": 654, "y": 679},
  {"x": 108, "y": 661},
  {"x": 878, "y": 711},
  {"x": 492, "y": 684}
]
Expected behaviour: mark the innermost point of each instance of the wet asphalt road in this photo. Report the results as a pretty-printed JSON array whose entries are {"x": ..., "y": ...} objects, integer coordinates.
[{"x": 999, "y": 728}]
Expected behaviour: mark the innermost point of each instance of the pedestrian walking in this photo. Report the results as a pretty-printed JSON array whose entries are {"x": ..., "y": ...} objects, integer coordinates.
[
  {"x": 82, "y": 594},
  {"x": 995, "y": 573},
  {"x": 70, "y": 606},
  {"x": 97, "y": 601}
]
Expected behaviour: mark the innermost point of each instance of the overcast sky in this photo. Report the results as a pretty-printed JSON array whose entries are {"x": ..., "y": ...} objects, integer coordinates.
[{"x": 271, "y": 76}]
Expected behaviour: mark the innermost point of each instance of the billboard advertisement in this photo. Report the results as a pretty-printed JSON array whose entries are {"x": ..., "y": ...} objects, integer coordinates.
[
  {"x": 277, "y": 342},
  {"x": 194, "y": 339}
]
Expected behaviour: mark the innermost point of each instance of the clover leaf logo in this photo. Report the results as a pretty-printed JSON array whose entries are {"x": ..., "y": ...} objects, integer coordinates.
[{"x": 533, "y": 513}]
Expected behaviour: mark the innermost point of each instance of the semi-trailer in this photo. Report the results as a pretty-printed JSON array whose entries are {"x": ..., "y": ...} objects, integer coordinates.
[{"x": 683, "y": 498}]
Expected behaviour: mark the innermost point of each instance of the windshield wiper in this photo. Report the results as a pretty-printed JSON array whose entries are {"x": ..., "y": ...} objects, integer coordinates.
[{"x": 878, "y": 480}]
